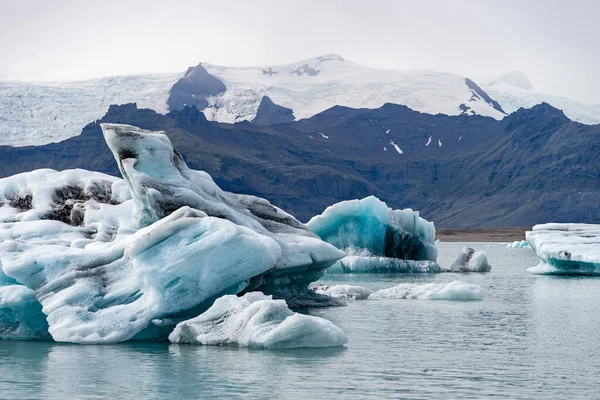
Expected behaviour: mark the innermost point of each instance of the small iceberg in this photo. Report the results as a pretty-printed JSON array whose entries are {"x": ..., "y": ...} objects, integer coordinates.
[
  {"x": 469, "y": 260},
  {"x": 256, "y": 320},
  {"x": 455, "y": 290},
  {"x": 519, "y": 244},
  {"x": 376, "y": 238},
  {"x": 566, "y": 249},
  {"x": 344, "y": 292}
]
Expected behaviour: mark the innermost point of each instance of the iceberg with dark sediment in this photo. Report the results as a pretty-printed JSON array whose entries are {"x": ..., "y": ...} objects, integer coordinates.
[
  {"x": 256, "y": 320},
  {"x": 376, "y": 238},
  {"x": 566, "y": 249},
  {"x": 107, "y": 260},
  {"x": 469, "y": 260}
]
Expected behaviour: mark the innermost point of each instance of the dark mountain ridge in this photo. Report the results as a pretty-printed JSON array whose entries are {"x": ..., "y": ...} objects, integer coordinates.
[{"x": 533, "y": 166}]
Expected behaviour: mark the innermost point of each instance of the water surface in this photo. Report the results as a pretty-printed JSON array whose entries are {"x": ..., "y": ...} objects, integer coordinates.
[{"x": 530, "y": 337}]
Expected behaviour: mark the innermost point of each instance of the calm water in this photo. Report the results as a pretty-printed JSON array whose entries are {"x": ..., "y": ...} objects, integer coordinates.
[{"x": 531, "y": 337}]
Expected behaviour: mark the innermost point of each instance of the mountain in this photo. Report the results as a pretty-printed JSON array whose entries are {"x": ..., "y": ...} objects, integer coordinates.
[
  {"x": 514, "y": 90},
  {"x": 41, "y": 113},
  {"x": 533, "y": 166}
]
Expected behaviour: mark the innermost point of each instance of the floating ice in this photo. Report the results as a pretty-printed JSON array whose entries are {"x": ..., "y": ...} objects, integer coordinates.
[
  {"x": 344, "y": 292},
  {"x": 361, "y": 264},
  {"x": 566, "y": 249},
  {"x": 376, "y": 237},
  {"x": 518, "y": 244},
  {"x": 110, "y": 260},
  {"x": 455, "y": 290},
  {"x": 469, "y": 260},
  {"x": 256, "y": 320}
]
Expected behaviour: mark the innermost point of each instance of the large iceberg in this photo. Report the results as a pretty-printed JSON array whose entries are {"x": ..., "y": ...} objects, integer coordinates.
[
  {"x": 108, "y": 259},
  {"x": 256, "y": 320},
  {"x": 377, "y": 238},
  {"x": 566, "y": 249}
]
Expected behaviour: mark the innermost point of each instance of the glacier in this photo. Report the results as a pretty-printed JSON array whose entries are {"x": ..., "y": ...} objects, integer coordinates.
[
  {"x": 109, "y": 260},
  {"x": 40, "y": 113},
  {"x": 565, "y": 249},
  {"x": 469, "y": 260},
  {"x": 377, "y": 238},
  {"x": 256, "y": 320}
]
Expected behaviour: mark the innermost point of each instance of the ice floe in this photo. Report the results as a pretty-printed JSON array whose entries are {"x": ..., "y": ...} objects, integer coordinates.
[
  {"x": 455, "y": 290},
  {"x": 344, "y": 292},
  {"x": 256, "y": 320},
  {"x": 566, "y": 249},
  {"x": 469, "y": 260},
  {"x": 518, "y": 244}
]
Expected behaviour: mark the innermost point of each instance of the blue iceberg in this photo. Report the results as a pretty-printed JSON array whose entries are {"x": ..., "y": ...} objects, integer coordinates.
[{"x": 376, "y": 238}]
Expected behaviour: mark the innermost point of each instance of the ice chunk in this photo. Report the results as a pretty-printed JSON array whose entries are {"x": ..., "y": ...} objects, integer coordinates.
[
  {"x": 21, "y": 316},
  {"x": 355, "y": 264},
  {"x": 344, "y": 292},
  {"x": 518, "y": 244},
  {"x": 455, "y": 290},
  {"x": 469, "y": 260},
  {"x": 256, "y": 320},
  {"x": 568, "y": 249},
  {"x": 368, "y": 230},
  {"x": 111, "y": 260}
]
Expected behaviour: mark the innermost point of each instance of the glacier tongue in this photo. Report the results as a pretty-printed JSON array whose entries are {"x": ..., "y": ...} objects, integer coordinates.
[
  {"x": 256, "y": 320},
  {"x": 566, "y": 249},
  {"x": 109, "y": 260}
]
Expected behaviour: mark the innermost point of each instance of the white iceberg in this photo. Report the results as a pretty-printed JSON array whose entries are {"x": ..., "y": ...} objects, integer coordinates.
[
  {"x": 566, "y": 249},
  {"x": 110, "y": 260},
  {"x": 344, "y": 292},
  {"x": 455, "y": 290},
  {"x": 377, "y": 238},
  {"x": 469, "y": 260},
  {"x": 256, "y": 320},
  {"x": 518, "y": 244}
]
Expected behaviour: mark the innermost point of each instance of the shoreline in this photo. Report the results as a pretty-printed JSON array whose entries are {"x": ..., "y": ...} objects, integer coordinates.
[{"x": 481, "y": 234}]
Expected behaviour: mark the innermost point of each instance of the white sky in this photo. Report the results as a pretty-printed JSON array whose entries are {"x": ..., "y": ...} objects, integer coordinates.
[{"x": 556, "y": 43}]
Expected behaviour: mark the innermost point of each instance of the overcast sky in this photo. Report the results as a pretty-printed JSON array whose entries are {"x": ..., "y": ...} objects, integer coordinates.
[{"x": 556, "y": 43}]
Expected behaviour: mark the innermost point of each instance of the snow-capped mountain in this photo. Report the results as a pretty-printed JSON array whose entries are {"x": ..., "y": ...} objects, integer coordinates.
[
  {"x": 514, "y": 90},
  {"x": 312, "y": 86},
  {"x": 39, "y": 113}
]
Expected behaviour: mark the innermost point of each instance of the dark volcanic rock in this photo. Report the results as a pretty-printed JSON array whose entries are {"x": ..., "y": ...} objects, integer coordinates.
[
  {"x": 477, "y": 91},
  {"x": 269, "y": 113},
  {"x": 533, "y": 166},
  {"x": 193, "y": 88}
]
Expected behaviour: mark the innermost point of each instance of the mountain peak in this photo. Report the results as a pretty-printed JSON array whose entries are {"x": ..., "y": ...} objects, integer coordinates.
[{"x": 517, "y": 79}]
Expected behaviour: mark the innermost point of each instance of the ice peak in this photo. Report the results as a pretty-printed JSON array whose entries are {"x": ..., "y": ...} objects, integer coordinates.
[{"x": 517, "y": 79}]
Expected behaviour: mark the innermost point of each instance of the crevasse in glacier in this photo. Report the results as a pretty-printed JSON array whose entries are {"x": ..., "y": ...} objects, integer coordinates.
[
  {"x": 110, "y": 259},
  {"x": 256, "y": 320},
  {"x": 566, "y": 249},
  {"x": 377, "y": 238}
]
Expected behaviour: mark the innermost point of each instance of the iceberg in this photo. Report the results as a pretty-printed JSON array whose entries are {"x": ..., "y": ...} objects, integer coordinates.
[
  {"x": 566, "y": 249},
  {"x": 469, "y": 260},
  {"x": 344, "y": 292},
  {"x": 377, "y": 238},
  {"x": 21, "y": 316},
  {"x": 109, "y": 260},
  {"x": 256, "y": 320},
  {"x": 518, "y": 244},
  {"x": 455, "y": 290}
]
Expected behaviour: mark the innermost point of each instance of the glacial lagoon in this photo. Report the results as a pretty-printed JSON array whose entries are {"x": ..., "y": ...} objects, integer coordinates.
[{"x": 530, "y": 336}]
